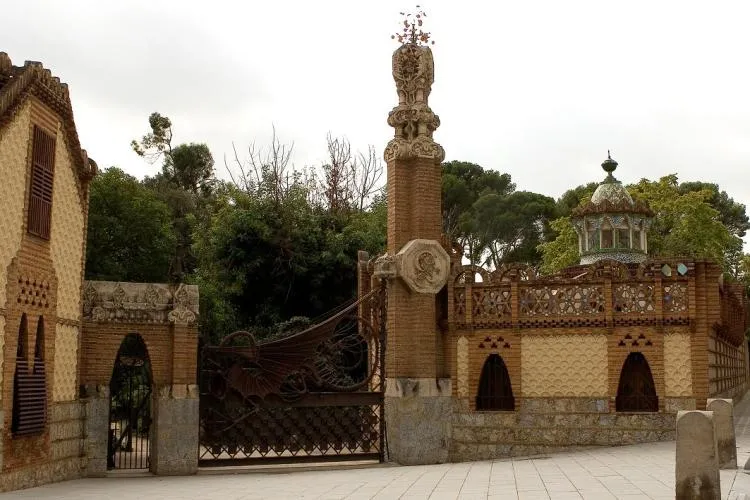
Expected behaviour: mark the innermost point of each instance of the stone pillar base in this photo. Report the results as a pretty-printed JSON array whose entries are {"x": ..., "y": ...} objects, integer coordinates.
[
  {"x": 174, "y": 451},
  {"x": 96, "y": 429},
  {"x": 697, "y": 458},
  {"x": 418, "y": 420}
]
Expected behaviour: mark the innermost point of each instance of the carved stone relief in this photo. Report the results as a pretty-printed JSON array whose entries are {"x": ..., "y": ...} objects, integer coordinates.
[
  {"x": 106, "y": 301},
  {"x": 413, "y": 120},
  {"x": 424, "y": 265}
]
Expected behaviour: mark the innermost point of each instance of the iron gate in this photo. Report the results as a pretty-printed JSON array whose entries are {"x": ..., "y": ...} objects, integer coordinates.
[
  {"x": 130, "y": 407},
  {"x": 316, "y": 395}
]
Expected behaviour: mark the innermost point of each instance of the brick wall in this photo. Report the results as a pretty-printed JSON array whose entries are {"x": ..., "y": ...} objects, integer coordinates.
[{"x": 101, "y": 341}]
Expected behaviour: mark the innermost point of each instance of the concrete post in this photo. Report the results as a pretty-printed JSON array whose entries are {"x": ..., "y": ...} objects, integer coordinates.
[
  {"x": 175, "y": 431},
  {"x": 697, "y": 460},
  {"x": 725, "y": 440},
  {"x": 96, "y": 429}
]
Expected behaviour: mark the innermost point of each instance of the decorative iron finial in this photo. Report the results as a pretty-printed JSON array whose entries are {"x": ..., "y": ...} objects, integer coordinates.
[
  {"x": 412, "y": 32},
  {"x": 609, "y": 166}
]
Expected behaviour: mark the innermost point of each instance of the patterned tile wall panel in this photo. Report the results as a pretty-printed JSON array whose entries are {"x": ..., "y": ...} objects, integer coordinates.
[
  {"x": 462, "y": 367},
  {"x": 66, "y": 240},
  {"x": 564, "y": 365},
  {"x": 66, "y": 361},
  {"x": 14, "y": 146},
  {"x": 677, "y": 367}
]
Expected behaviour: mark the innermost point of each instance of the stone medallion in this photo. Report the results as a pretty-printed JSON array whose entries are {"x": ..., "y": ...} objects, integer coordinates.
[{"x": 423, "y": 265}]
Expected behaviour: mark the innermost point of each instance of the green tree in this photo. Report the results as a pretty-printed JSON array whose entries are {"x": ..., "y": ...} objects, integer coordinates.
[
  {"x": 684, "y": 223},
  {"x": 489, "y": 219},
  {"x": 267, "y": 256},
  {"x": 130, "y": 235},
  {"x": 511, "y": 227},
  {"x": 562, "y": 251},
  {"x": 186, "y": 183}
]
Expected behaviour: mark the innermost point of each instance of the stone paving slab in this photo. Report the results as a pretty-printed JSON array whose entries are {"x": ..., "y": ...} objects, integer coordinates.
[{"x": 645, "y": 471}]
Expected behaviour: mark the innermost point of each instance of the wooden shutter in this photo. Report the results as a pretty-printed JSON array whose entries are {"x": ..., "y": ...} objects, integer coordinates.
[
  {"x": 29, "y": 386},
  {"x": 42, "y": 175}
]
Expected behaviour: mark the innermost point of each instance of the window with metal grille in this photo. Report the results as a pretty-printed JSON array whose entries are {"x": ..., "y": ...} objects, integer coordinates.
[
  {"x": 29, "y": 385},
  {"x": 495, "y": 391},
  {"x": 42, "y": 176},
  {"x": 636, "y": 391}
]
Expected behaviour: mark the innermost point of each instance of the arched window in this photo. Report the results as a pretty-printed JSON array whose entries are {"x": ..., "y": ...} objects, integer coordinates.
[
  {"x": 29, "y": 385},
  {"x": 495, "y": 391},
  {"x": 636, "y": 391}
]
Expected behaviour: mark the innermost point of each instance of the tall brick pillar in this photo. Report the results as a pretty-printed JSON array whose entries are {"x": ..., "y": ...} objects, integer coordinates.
[{"x": 418, "y": 403}]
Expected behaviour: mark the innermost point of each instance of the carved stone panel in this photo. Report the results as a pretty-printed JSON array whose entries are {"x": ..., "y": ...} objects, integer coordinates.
[
  {"x": 108, "y": 301},
  {"x": 424, "y": 265}
]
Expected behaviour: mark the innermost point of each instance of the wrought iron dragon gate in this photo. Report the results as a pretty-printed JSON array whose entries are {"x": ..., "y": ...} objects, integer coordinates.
[{"x": 316, "y": 395}]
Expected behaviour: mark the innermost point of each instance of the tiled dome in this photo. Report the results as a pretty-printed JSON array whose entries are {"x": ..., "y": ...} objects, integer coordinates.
[{"x": 612, "y": 225}]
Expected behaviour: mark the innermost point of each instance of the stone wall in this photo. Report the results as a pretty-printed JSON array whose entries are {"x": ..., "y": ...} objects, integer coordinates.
[
  {"x": 547, "y": 425},
  {"x": 65, "y": 461}
]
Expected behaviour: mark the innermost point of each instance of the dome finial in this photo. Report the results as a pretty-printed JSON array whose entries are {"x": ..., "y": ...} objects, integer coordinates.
[{"x": 609, "y": 166}]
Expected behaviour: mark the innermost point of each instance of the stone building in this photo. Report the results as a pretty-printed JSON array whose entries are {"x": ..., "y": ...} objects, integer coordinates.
[
  {"x": 494, "y": 363},
  {"x": 57, "y": 358}
]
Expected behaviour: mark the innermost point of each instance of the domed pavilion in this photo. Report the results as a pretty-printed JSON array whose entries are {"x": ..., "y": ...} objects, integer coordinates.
[{"x": 612, "y": 225}]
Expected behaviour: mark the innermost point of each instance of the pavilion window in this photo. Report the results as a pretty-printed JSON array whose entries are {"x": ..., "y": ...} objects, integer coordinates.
[
  {"x": 42, "y": 176},
  {"x": 623, "y": 238},
  {"x": 637, "y": 239},
  {"x": 593, "y": 240},
  {"x": 607, "y": 238}
]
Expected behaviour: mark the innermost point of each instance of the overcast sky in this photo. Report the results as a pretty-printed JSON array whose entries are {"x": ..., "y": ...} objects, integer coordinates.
[{"x": 538, "y": 89}]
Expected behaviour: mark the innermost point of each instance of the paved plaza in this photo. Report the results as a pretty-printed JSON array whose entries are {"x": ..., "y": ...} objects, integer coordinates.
[{"x": 643, "y": 471}]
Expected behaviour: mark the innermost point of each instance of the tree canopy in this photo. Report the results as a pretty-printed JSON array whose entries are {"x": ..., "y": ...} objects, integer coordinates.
[
  {"x": 489, "y": 219},
  {"x": 130, "y": 235}
]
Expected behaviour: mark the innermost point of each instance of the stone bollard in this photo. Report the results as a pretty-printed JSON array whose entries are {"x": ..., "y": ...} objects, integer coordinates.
[
  {"x": 724, "y": 423},
  {"x": 697, "y": 460}
]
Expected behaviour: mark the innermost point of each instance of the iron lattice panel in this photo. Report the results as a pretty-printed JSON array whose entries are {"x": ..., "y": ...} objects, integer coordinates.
[{"x": 291, "y": 434}]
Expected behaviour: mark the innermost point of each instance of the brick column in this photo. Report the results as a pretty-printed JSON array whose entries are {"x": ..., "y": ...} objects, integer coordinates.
[{"x": 418, "y": 402}]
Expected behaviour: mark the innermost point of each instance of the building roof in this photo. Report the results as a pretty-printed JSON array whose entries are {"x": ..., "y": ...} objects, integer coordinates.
[
  {"x": 17, "y": 83},
  {"x": 612, "y": 197}
]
